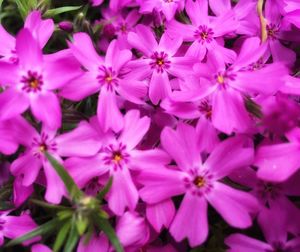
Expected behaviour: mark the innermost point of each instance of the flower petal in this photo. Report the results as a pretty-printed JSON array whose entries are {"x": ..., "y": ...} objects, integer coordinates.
[
  {"x": 233, "y": 205},
  {"x": 108, "y": 113},
  {"x": 191, "y": 220},
  {"x": 82, "y": 141},
  {"x": 123, "y": 192},
  {"x": 46, "y": 108}
]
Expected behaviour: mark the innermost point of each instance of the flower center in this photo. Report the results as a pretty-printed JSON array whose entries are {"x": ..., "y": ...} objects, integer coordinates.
[
  {"x": 272, "y": 31},
  {"x": 107, "y": 77},
  {"x": 116, "y": 155},
  {"x": 204, "y": 34},
  {"x": 43, "y": 147},
  {"x": 267, "y": 190},
  {"x": 43, "y": 144},
  {"x": 160, "y": 61},
  {"x": 32, "y": 82},
  {"x": 206, "y": 108},
  {"x": 199, "y": 181}
]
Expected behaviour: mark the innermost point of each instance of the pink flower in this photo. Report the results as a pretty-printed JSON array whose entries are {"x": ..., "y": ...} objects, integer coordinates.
[
  {"x": 118, "y": 157},
  {"x": 199, "y": 183},
  {"x": 107, "y": 75},
  {"x": 204, "y": 30},
  {"x": 227, "y": 85},
  {"x": 168, "y": 8},
  {"x": 15, "y": 226},
  {"x": 158, "y": 62},
  {"x": 82, "y": 141},
  {"x": 132, "y": 231},
  {"x": 273, "y": 223},
  {"x": 32, "y": 81},
  {"x": 40, "y": 29}
]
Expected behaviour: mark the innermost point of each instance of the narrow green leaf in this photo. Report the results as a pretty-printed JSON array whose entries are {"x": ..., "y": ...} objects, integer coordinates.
[
  {"x": 71, "y": 186},
  {"x": 47, "y": 205},
  {"x": 64, "y": 214},
  {"x": 88, "y": 234},
  {"x": 253, "y": 108},
  {"x": 61, "y": 236},
  {"x": 60, "y": 10},
  {"x": 81, "y": 224},
  {"x": 72, "y": 238},
  {"x": 105, "y": 189},
  {"x": 105, "y": 226},
  {"x": 23, "y": 8},
  {"x": 43, "y": 229}
]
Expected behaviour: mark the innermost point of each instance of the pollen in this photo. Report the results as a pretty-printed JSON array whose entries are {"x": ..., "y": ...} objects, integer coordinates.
[
  {"x": 220, "y": 79},
  {"x": 117, "y": 157},
  {"x": 42, "y": 147},
  {"x": 160, "y": 62},
  {"x": 34, "y": 84},
  {"x": 109, "y": 79},
  {"x": 199, "y": 181}
]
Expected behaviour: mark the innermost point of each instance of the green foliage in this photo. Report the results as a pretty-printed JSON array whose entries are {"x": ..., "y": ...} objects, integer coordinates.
[
  {"x": 60, "y": 10},
  {"x": 75, "y": 221}
]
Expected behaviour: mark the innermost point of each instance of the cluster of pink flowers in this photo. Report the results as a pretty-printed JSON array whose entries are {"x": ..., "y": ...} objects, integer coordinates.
[{"x": 195, "y": 108}]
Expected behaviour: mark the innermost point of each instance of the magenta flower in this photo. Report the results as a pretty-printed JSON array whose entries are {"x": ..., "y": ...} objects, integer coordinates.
[
  {"x": 168, "y": 8},
  {"x": 132, "y": 231},
  {"x": 118, "y": 157},
  {"x": 272, "y": 161},
  {"x": 204, "y": 30},
  {"x": 106, "y": 75},
  {"x": 97, "y": 242},
  {"x": 158, "y": 61},
  {"x": 273, "y": 223},
  {"x": 83, "y": 141},
  {"x": 272, "y": 194},
  {"x": 228, "y": 85},
  {"x": 15, "y": 226},
  {"x": 32, "y": 81},
  {"x": 199, "y": 182},
  {"x": 276, "y": 32},
  {"x": 40, "y": 29}
]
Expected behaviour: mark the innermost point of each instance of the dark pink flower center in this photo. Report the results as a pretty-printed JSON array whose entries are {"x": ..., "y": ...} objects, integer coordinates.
[
  {"x": 40, "y": 146},
  {"x": 272, "y": 31},
  {"x": 268, "y": 191},
  {"x": 206, "y": 108},
  {"x": 116, "y": 155},
  {"x": 222, "y": 78},
  {"x": 204, "y": 34},
  {"x": 278, "y": 247},
  {"x": 160, "y": 61},
  {"x": 198, "y": 183},
  {"x": 32, "y": 82},
  {"x": 108, "y": 78}
]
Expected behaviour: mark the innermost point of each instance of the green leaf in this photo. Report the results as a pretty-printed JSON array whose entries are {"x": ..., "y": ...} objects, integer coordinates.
[
  {"x": 64, "y": 214},
  {"x": 71, "y": 186},
  {"x": 61, "y": 236},
  {"x": 47, "y": 205},
  {"x": 105, "y": 226},
  {"x": 72, "y": 238},
  {"x": 43, "y": 229},
  {"x": 105, "y": 190},
  {"x": 253, "y": 108},
  {"x": 60, "y": 10},
  {"x": 81, "y": 224},
  {"x": 25, "y": 6}
]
